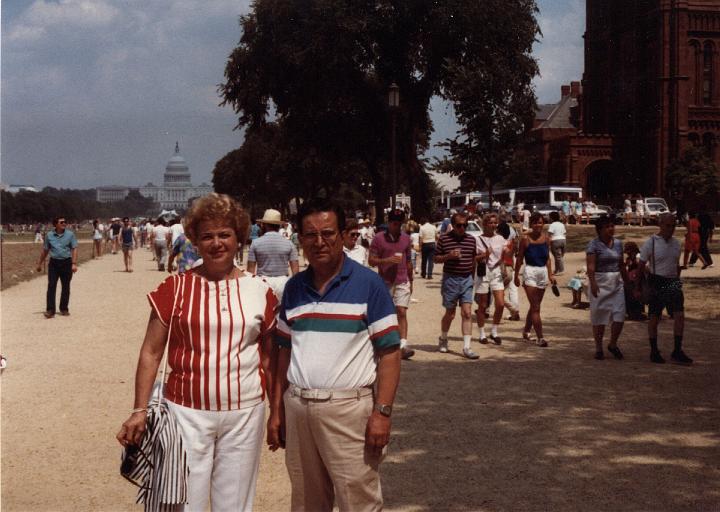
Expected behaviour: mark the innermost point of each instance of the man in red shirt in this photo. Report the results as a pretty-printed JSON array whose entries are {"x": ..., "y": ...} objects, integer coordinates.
[{"x": 391, "y": 253}]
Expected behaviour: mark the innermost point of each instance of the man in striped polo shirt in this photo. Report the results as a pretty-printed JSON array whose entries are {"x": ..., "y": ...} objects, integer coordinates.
[
  {"x": 338, "y": 367},
  {"x": 458, "y": 251},
  {"x": 271, "y": 254}
]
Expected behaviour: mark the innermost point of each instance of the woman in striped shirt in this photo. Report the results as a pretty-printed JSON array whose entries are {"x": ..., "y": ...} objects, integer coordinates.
[{"x": 221, "y": 322}]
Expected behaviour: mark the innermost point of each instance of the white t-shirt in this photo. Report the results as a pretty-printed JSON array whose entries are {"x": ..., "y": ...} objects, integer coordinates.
[
  {"x": 176, "y": 230},
  {"x": 666, "y": 255},
  {"x": 160, "y": 233},
  {"x": 640, "y": 206},
  {"x": 557, "y": 230},
  {"x": 357, "y": 253},
  {"x": 496, "y": 244},
  {"x": 415, "y": 239},
  {"x": 428, "y": 233}
]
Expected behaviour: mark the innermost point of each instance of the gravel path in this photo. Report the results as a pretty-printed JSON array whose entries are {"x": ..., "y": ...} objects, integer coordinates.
[{"x": 523, "y": 428}]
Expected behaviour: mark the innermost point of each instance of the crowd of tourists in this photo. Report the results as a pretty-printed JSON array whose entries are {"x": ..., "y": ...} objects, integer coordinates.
[{"x": 316, "y": 320}]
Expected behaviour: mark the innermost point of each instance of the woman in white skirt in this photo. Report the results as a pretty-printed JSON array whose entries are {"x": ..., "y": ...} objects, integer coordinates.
[{"x": 606, "y": 276}]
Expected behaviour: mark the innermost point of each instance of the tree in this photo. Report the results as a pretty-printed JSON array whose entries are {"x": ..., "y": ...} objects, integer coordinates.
[
  {"x": 693, "y": 174},
  {"x": 323, "y": 67}
]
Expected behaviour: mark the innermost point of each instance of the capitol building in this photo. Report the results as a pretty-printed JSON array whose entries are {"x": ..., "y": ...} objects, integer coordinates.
[{"x": 175, "y": 193}]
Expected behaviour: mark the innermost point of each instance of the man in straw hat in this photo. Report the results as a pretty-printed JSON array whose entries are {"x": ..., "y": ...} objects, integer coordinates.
[{"x": 272, "y": 254}]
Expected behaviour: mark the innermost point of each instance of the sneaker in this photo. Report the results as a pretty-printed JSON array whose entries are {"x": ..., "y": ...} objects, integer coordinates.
[
  {"x": 442, "y": 345},
  {"x": 470, "y": 354},
  {"x": 406, "y": 353},
  {"x": 655, "y": 357},
  {"x": 496, "y": 339},
  {"x": 49, "y": 314},
  {"x": 678, "y": 356}
]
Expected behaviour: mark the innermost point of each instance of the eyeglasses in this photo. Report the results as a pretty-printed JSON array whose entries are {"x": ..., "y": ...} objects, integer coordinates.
[
  {"x": 461, "y": 225},
  {"x": 62, "y": 222},
  {"x": 354, "y": 235},
  {"x": 327, "y": 235}
]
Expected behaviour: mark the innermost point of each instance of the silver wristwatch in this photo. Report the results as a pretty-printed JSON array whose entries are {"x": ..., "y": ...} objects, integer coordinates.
[{"x": 385, "y": 410}]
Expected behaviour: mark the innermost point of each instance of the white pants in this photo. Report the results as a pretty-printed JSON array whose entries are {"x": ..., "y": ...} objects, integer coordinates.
[
  {"x": 223, "y": 454},
  {"x": 511, "y": 292}
]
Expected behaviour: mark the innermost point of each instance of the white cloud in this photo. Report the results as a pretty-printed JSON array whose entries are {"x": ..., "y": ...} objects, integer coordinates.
[{"x": 42, "y": 17}]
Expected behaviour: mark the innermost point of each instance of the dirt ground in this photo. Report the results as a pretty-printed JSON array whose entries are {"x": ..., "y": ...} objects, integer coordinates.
[{"x": 522, "y": 428}]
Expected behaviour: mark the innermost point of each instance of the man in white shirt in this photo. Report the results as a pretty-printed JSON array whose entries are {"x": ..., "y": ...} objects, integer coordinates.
[
  {"x": 557, "y": 233},
  {"x": 661, "y": 253},
  {"x": 428, "y": 237},
  {"x": 352, "y": 248}
]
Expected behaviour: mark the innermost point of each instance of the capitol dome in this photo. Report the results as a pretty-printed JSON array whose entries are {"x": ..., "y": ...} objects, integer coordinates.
[{"x": 177, "y": 172}]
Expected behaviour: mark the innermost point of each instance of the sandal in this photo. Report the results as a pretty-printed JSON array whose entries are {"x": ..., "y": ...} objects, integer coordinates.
[
  {"x": 599, "y": 355},
  {"x": 615, "y": 351}
]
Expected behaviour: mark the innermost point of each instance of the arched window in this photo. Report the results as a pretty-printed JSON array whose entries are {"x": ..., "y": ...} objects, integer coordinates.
[
  {"x": 709, "y": 144},
  {"x": 696, "y": 57},
  {"x": 707, "y": 83}
]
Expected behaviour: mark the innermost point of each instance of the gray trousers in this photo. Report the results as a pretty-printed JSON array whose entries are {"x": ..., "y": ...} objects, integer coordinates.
[{"x": 558, "y": 252}]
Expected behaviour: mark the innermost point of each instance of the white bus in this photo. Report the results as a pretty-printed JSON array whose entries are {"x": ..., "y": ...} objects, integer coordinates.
[{"x": 548, "y": 194}]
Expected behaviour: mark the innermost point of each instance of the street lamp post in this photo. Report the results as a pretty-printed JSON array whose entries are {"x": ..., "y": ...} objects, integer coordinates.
[{"x": 394, "y": 104}]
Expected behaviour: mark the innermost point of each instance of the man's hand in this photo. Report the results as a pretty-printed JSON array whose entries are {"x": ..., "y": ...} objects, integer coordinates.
[
  {"x": 377, "y": 432},
  {"x": 276, "y": 430},
  {"x": 74, "y": 267},
  {"x": 393, "y": 260}
]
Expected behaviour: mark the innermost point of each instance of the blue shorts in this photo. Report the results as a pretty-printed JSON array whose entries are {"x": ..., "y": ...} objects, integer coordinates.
[{"x": 456, "y": 288}]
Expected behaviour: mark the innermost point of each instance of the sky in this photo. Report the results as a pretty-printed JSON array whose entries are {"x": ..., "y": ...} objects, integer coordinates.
[{"x": 97, "y": 92}]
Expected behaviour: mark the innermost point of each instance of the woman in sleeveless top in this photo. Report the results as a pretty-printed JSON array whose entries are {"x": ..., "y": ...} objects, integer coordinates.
[{"x": 534, "y": 252}]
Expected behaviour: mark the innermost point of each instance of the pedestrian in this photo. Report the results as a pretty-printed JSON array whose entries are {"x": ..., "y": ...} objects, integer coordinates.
[
  {"x": 557, "y": 233},
  {"x": 351, "y": 247},
  {"x": 707, "y": 226},
  {"x": 640, "y": 209},
  {"x": 428, "y": 238},
  {"x": 273, "y": 256},
  {"x": 128, "y": 238},
  {"x": 534, "y": 253},
  {"x": 525, "y": 214},
  {"x": 61, "y": 245},
  {"x": 148, "y": 234},
  {"x": 661, "y": 254},
  {"x": 115, "y": 228},
  {"x": 512, "y": 302},
  {"x": 390, "y": 252},
  {"x": 338, "y": 369},
  {"x": 38, "y": 233},
  {"x": 254, "y": 232},
  {"x": 565, "y": 208},
  {"x": 633, "y": 307},
  {"x": 221, "y": 426},
  {"x": 574, "y": 206},
  {"x": 692, "y": 241},
  {"x": 606, "y": 276},
  {"x": 491, "y": 248},
  {"x": 457, "y": 250},
  {"x": 97, "y": 237},
  {"x": 413, "y": 231},
  {"x": 159, "y": 236},
  {"x": 576, "y": 285},
  {"x": 183, "y": 252},
  {"x": 627, "y": 206}
]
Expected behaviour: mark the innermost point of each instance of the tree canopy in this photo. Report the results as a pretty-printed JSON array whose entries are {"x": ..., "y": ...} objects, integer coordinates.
[
  {"x": 322, "y": 70},
  {"x": 693, "y": 176}
]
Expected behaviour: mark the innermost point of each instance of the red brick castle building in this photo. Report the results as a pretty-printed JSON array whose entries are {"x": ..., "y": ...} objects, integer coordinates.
[{"x": 650, "y": 89}]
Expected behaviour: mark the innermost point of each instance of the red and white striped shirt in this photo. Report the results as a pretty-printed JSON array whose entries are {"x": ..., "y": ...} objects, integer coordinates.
[{"x": 216, "y": 330}]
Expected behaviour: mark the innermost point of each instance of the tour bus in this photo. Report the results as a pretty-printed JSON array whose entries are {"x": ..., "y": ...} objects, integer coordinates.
[{"x": 549, "y": 194}]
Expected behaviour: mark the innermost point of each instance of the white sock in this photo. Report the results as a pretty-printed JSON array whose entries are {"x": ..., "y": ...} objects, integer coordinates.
[
  {"x": 494, "y": 329},
  {"x": 482, "y": 333},
  {"x": 403, "y": 343},
  {"x": 443, "y": 335},
  {"x": 466, "y": 341}
]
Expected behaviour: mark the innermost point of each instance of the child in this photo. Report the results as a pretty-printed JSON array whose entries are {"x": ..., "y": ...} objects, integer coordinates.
[
  {"x": 576, "y": 285},
  {"x": 633, "y": 307}
]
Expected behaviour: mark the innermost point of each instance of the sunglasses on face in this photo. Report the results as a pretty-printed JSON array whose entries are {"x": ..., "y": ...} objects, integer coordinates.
[
  {"x": 354, "y": 235},
  {"x": 62, "y": 222},
  {"x": 461, "y": 225}
]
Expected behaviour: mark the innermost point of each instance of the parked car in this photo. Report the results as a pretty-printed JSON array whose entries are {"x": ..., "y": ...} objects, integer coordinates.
[
  {"x": 545, "y": 210},
  {"x": 654, "y": 206},
  {"x": 473, "y": 228}
]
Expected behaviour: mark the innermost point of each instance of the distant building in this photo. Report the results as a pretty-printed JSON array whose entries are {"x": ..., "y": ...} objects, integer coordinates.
[
  {"x": 175, "y": 193},
  {"x": 650, "y": 90}
]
